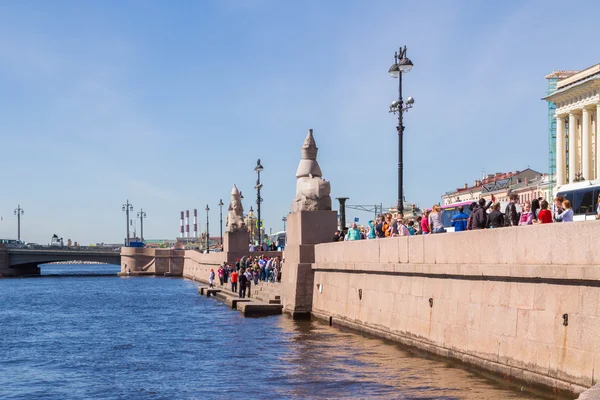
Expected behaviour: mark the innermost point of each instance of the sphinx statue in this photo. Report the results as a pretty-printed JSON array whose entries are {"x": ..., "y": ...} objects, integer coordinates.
[
  {"x": 312, "y": 191},
  {"x": 235, "y": 216}
]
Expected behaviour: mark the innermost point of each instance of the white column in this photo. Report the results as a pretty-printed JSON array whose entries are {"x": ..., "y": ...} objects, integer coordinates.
[
  {"x": 560, "y": 150},
  {"x": 573, "y": 164},
  {"x": 586, "y": 145},
  {"x": 597, "y": 141}
]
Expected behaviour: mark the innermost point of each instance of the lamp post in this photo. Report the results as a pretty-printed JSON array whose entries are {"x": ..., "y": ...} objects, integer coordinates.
[
  {"x": 250, "y": 218},
  {"x": 18, "y": 212},
  {"x": 207, "y": 234},
  {"x": 284, "y": 219},
  {"x": 402, "y": 65},
  {"x": 342, "y": 201},
  {"x": 221, "y": 219},
  {"x": 127, "y": 207},
  {"x": 259, "y": 168},
  {"x": 141, "y": 215}
]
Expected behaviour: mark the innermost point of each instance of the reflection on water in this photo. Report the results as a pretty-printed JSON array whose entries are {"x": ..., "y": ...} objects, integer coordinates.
[
  {"x": 89, "y": 337},
  {"x": 79, "y": 269},
  {"x": 344, "y": 364}
]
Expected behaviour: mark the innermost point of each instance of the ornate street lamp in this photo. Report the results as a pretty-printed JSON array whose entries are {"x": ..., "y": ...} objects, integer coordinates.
[
  {"x": 259, "y": 168},
  {"x": 402, "y": 65},
  {"x": 250, "y": 219},
  {"x": 127, "y": 207},
  {"x": 221, "y": 218},
  {"x": 18, "y": 212},
  {"x": 284, "y": 219},
  {"x": 141, "y": 215}
]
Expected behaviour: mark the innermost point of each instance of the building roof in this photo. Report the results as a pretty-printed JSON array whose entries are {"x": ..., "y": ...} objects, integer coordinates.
[
  {"x": 579, "y": 76},
  {"x": 564, "y": 89},
  {"x": 493, "y": 182},
  {"x": 562, "y": 74}
]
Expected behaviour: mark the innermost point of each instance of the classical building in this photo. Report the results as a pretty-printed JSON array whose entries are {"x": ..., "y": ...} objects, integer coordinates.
[
  {"x": 499, "y": 184},
  {"x": 576, "y": 145}
]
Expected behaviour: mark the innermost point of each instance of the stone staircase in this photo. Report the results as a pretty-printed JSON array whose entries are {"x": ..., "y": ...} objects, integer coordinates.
[
  {"x": 265, "y": 299},
  {"x": 269, "y": 293}
]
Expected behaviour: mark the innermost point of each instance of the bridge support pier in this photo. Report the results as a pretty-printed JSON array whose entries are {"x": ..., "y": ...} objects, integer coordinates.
[
  {"x": 7, "y": 272},
  {"x": 29, "y": 270}
]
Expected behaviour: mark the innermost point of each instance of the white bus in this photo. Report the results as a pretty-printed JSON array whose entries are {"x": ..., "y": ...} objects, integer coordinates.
[
  {"x": 583, "y": 197},
  {"x": 279, "y": 240}
]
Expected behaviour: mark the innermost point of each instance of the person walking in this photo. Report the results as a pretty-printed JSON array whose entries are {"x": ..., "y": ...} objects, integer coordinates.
[
  {"x": 495, "y": 218},
  {"x": 402, "y": 228},
  {"x": 526, "y": 216},
  {"x": 379, "y": 227},
  {"x": 472, "y": 209},
  {"x": 598, "y": 207},
  {"x": 411, "y": 228},
  {"x": 435, "y": 219},
  {"x": 387, "y": 225},
  {"x": 211, "y": 278},
  {"x": 558, "y": 206},
  {"x": 511, "y": 214},
  {"x": 425, "y": 223},
  {"x": 371, "y": 234},
  {"x": 243, "y": 280},
  {"x": 353, "y": 232},
  {"x": 249, "y": 277},
  {"x": 268, "y": 269},
  {"x": 535, "y": 208},
  {"x": 567, "y": 214},
  {"x": 545, "y": 215},
  {"x": 221, "y": 273},
  {"x": 459, "y": 221},
  {"x": 234, "y": 281},
  {"x": 479, "y": 218}
]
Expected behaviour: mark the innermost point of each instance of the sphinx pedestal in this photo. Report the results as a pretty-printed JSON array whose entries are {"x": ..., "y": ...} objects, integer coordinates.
[
  {"x": 305, "y": 229},
  {"x": 236, "y": 242},
  {"x": 235, "y": 245}
]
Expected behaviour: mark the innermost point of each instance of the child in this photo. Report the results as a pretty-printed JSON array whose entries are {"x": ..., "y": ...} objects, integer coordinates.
[
  {"x": 411, "y": 228},
  {"x": 545, "y": 215},
  {"x": 211, "y": 278}
]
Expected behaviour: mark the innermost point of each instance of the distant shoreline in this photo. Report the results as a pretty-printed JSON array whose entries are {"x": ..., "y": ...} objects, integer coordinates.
[{"x": 76, "y": 262}]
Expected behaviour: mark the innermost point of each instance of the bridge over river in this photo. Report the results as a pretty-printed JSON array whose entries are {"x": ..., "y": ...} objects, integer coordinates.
[{"x": 22, "y": 261}]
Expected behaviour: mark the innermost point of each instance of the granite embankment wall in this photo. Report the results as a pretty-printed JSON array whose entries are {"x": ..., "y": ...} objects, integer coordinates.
[
  {"x": 495, "y": 298},
  {"x": 190, "y": 264}
]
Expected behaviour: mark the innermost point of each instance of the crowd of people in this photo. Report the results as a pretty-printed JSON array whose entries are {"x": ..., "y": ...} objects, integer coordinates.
[
  {"x": 246, "y": 270},
  {"x": 263, "y": 247},
  {"x": 483, "y": 215}
]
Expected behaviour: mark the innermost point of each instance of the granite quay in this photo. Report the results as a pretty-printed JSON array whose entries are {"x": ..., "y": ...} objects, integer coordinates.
[
  {"x": 522, "y": 302},
  {"x": 509, "y": 300}
]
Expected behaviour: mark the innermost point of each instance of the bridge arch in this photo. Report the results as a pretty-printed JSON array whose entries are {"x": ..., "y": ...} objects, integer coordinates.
[{"x": 19, "y": 262}]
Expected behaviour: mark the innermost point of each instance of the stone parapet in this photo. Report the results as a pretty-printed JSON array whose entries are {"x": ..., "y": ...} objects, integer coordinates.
[
  {"x": 520, "y": 301},
  {"x": 548, "y": 244}
]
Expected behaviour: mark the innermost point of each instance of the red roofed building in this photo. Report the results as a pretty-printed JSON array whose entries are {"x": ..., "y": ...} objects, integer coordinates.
[{"x": 499, "y": 184}]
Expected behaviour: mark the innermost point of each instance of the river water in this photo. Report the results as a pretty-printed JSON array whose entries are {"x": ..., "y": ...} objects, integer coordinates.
[{"x": 75, "y": 335}]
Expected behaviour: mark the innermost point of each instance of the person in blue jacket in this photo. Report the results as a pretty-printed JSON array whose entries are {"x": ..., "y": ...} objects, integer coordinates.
[
  {"x": 371, "y": 234},
  {"x": 459, "y": 221}
]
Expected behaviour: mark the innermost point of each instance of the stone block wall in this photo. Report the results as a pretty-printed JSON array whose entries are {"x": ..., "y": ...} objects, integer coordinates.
[{"x": 494, "y": 298}]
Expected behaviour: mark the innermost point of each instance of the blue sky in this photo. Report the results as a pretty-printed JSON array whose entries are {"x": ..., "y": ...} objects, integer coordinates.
[{"x": 168, "y": 104}]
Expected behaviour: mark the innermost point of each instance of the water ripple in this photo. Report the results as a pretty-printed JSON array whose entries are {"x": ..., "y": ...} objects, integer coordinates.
[{"x": 91, "y": 337}]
